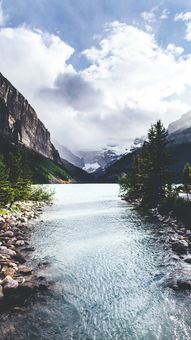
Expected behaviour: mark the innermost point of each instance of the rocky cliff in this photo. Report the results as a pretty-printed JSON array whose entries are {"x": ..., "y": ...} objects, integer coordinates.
[{"x": 20, "y": 123}]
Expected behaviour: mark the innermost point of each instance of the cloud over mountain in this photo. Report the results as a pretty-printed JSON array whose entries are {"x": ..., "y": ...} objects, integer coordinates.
[{"x": 129, "y": 82}]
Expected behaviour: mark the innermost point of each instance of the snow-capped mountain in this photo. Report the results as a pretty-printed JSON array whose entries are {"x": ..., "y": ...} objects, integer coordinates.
[{"x": 103, "y": 158}]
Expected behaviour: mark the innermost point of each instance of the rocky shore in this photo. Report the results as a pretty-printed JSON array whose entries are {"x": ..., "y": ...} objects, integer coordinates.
[
  {"x": 18, "y": 281},
  {"x": 177, "y": 237}
]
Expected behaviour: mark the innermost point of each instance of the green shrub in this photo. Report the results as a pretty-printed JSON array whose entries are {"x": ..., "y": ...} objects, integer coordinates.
[{"x": 40, "y": 193}]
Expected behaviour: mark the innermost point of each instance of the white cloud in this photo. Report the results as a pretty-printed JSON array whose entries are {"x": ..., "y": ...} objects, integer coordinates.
[
  {"x": 148, "y": 16},
  {"x": 130, "y": 83},
  {"x": 165, "y": 14},
  {"x": 31, "y": 58},
  {"x": 176, "y": 50},
  {"x": 183, "y": 16},
  {"x": 3, "y": 17},
  {"x": 186, "y": 17}
]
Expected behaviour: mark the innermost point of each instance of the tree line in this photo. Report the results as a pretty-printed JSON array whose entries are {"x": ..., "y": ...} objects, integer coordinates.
[
  {"x": 150, "y": 181},
  {"x": 16, "y": 183}
]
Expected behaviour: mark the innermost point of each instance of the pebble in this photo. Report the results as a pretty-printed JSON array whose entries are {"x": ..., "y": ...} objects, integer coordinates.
[{"x": 17, "y": 281}]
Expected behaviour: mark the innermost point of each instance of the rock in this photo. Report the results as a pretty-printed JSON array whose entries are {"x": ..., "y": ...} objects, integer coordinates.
[
  {"x": 161, "y": 232},
  {"x": 9, "y": 283},
  {"x": 180, "y": 247},
  {"x": 18, "y": 257},
  {"x": 28, "y": 249},
  {"x": 184, "y": 284},
  {"x": 24, "y": 220},
  {"x": 8, "y": 271},
  {"x": 188, "y": 259},
  {"x": 1, "y": 293},
  {"x": 9, "y": 233},
  {"x": 25, "y": 270},
  {"x": 5, "y": 250},
  {"x": 20, "y": 243}
]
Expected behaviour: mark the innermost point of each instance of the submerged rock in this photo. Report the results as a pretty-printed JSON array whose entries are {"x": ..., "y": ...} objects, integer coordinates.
[
  {"x": 184, "y": 284},
  {"x": 25, "y": 270},
  {"x": 188, "y": 259},
  {"x": 180, "y": 247}
]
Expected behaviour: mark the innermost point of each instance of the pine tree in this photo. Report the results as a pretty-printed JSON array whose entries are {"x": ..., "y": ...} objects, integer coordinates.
[
  {"x": 157, "y": 160},
  {"x": 149, "y": 174},
  {"x": 187, "y": 179},
  {"x": 19, "y": 177},
  {"x": 6, "y": 192}
]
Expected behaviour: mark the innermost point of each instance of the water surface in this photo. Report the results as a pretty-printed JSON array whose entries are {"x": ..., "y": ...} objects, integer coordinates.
[{"x": 110, "y": 270}]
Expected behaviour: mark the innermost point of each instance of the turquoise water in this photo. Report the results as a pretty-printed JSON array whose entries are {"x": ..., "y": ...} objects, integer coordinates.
[{"x": 110, "y": 270}]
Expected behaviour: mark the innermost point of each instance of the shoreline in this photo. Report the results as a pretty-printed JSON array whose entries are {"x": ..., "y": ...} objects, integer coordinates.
[
  {"x": 18, "y": 281},
  {"x": 177, "y": 237}
]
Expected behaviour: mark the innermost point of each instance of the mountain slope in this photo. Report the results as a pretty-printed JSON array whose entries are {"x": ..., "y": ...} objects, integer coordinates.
[
  {"x": 41, "y": 169},
  {"x": 69, "y": 156},
  {"x": 181, "y": 124},
  {"x": 78, "y": 174},
  {"x": 20, "y": 129},
  {"x": 179, "y": 148}
]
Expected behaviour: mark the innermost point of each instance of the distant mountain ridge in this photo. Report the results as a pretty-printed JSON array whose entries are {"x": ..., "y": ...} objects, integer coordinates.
[
  {"x": 180, "y": 130},
  {"x": 179, "y": 149},
  {"x": 181, "y": 124}
]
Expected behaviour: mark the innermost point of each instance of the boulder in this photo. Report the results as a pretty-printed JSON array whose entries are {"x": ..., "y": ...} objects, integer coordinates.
[
  {"x": 5, "y": 250},
  {"x": 8, "y": 233},
  {"x": 9, "y": 283},
  {"x": 180, "y": 247},
  {"x": 8, "y": 271}
]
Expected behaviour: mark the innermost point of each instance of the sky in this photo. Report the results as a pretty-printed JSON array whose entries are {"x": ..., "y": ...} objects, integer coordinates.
[{"x": 99, "y": 72}]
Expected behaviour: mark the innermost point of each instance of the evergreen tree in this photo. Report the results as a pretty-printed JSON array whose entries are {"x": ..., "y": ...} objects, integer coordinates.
[
  {"x": 149, "y": 174},
  {"x": 6, "y": 192},
  {"x": 156, "y": 165},
  {"x": 19, "y": 176},
  {"x": 187, "y": 179}
]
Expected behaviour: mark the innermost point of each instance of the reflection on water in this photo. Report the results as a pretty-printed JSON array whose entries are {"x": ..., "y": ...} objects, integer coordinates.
[{"x": 109, "y": 270}]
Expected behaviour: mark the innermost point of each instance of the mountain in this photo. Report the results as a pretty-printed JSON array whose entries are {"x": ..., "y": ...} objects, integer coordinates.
[
  {"x": 68, "y": 155},
  {"x": 180, "y": 130},
  {"x": 100, "y": 159},
  {"x": 78, "y": 174},
  {"x": 179, "y": 149},
  {"x": 19, "y": 122},
  {"x": 21, "y": 129},
  {"x": 181, "y": 124},
  {"x": 42, "y": 170},
  {"x": 113, "y": 172}
]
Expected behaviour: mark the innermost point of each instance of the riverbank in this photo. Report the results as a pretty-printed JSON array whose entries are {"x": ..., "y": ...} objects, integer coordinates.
[
  {"x": 18, "y": 281},
  {"x": 176, "y": 236}
]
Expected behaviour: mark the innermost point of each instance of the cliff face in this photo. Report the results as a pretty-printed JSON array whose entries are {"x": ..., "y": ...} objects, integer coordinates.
[{"x": 19, "y": 122}]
